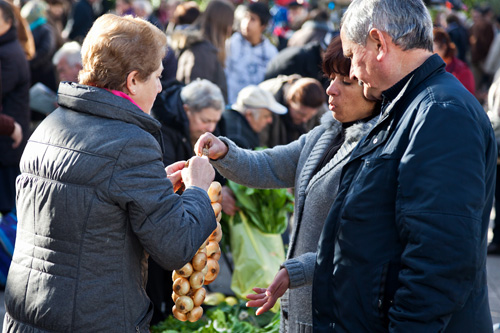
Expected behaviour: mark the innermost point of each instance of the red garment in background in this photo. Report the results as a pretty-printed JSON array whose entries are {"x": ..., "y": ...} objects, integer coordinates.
[{"x": 461, "y": 71}]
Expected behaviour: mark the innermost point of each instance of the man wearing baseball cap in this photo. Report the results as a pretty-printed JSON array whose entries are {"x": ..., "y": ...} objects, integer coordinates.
[{"x": 250, "y": 115}]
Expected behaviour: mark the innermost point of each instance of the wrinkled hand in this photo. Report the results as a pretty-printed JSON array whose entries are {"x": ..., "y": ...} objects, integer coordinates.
[
  {"x": 17, "y": 135},
  {"x": 199, "y": 173},
  {"x": 266, "y": 298},
  {"x": 228, "y": 201},
  {"x": 216, "y": 148},
  {"x": 174, "y": 174}
]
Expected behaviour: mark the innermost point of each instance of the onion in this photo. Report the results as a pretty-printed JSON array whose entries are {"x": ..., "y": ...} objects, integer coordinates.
[
  {"x": 212, "y": 248},
  {"x": 199, "y": 261},
  {"x": 186, "y": 270},
  {"x": 213, "y": 269},
  {"x": 216, "y": 235},
  {"x": 195, "y": 314},
  {"x": 215, "y": 192},
  {"x": 184, "y": 304},
  {"x": 179, "y": 315},
  {"x": 199, "y": 296},
  {"x": 181, "y": 286},
  {"x": 196, "y": 280}
]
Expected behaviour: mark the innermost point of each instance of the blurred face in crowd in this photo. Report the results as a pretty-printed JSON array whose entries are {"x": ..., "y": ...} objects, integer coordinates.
[
  {"x": 4, "y": 26},
  {"x": 259, "y": 122},
  {"x": 144, "y": 92},
  {"x": 301, "y": 114},
  {"x": 251, "y": 28},
  {"x": 346, "y": 100},
  {"x": 203, "y": 121},
  {"x": 66, "y": 72}
]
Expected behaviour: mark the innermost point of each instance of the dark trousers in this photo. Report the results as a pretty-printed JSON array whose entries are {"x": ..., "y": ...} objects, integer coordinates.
[{"x": 159, "y": 290}]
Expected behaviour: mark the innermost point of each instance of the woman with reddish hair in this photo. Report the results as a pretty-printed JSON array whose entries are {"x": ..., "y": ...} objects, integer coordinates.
[{"x": 447, "y": 50}]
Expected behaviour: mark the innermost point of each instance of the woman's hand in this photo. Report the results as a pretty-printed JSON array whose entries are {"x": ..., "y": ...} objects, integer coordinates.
[
  {"x": 198, "y": 173},
  {"x": 174, "y": 174},
  {"x": 17, "y": 135},
  {"x": 228, "y": 201},
  {"x": 216, "y": 148},
  {"x": 266, "y": 298}
]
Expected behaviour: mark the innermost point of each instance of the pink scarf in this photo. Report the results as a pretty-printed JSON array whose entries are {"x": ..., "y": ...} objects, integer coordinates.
[{"x": 123, "y": 95}]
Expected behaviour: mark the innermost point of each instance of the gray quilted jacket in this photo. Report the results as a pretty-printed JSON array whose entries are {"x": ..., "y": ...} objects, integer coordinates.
[
  {"x": 93, "y": 201},
  {"x": 289, "y": 166}
]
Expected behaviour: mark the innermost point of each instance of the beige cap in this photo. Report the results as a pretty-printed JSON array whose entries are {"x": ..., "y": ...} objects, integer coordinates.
[{"x": 254, "y": 97}]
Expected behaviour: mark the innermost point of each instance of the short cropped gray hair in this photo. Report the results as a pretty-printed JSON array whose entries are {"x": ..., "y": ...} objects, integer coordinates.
[
  {"x": 408, "y": 22},
  {"x": 71, "y": 51},
  {"x": 201, "y": 94}
]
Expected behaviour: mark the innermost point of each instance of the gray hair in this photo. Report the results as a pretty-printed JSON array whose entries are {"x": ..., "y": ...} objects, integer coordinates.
[
  {"x": 201, "y": 94},
  {"x": 408, "y": 22},
  {"x": 71, "y": 51}
]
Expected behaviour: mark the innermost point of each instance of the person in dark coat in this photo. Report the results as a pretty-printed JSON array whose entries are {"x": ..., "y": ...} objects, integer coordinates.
[
  {"x": 403, "y": 248},
  {"x": 201, "y": 48},
  {"x": 302, "y": 60},
  {"x": 8, "y": 126},
  {"x": 185, "y": 112},
  {"x": 15, "y": 102},
  {"x": 81, "y": 20},
  {"x": 42, "y": 69}
]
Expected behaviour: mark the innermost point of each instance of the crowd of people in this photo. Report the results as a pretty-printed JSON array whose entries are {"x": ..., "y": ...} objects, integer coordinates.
[{"x": 361, "y": 118}]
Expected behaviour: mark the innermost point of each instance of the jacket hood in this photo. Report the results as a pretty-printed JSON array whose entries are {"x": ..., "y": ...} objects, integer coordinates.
[
  {"x": 102, "y": 103},
  {"x": 168, "y": 107}
]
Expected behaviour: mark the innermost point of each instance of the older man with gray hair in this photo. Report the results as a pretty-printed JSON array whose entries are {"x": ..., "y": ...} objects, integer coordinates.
[{"x": 404, "y": 246}]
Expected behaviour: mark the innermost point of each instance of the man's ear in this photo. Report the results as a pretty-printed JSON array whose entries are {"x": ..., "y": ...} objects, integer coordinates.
[
  {"x": 380, "y": 40},
  {"x": 186, "y": 108},
  {"x": 132, "y": 82}
]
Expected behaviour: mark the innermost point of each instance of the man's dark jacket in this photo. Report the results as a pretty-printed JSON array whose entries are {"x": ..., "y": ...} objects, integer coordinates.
[{"x": 404, "y": 246}]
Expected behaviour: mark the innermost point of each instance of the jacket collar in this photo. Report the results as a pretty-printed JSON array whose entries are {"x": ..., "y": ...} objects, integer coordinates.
[{"x": 102, "y": 103}]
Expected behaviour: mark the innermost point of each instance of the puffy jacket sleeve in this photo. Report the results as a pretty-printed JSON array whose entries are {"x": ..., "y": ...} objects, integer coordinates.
[
  {"x": 444, "y": 178},
  {"x": 269, "y": 168},
  {"x": 170, "y": 227}
]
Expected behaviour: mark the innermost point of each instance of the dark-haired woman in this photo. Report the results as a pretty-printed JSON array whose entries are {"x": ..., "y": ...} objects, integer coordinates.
[{"x": 312, "y": 165}]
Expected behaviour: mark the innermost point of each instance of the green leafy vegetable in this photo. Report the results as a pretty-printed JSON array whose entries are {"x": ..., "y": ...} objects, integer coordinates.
[{"x": 266, "y": 209}]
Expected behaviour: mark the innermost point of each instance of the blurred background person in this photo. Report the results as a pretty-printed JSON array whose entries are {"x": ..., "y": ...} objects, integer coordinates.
[
  {"x": 101, "y": 148},
  {"x": 459, "y": 35},
  {"x": 144, "y": 10},
  {"x": 185, "y": 113},
  {"x": 447, "y": 50},
  {"x": 250, "y": 115},
  {"x": 15, "y": 78},
  {"x": 303, "y": 60},
  {"x": 312, "y": 165},
  {"x": 481, "y": 36},
  {"x": 124, "y": 7},
  {"x": 201, "y": 49},
  {"x": 68, "y": 63},
  {"x": 183, "y": 16},
  {"x": 315, "y": 28},
  {"x": 8, "y": 126},
  {"x": 248, "y": 51},
  {"x": 81, "y": 19},
  {"x": 305, "y": 101},
  {"x": 41, "y": 68}
]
